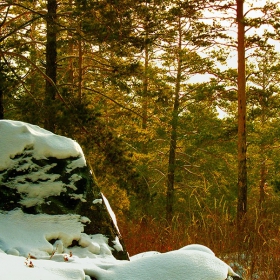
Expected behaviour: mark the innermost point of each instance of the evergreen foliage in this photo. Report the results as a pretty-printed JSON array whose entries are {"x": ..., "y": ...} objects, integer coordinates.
[{"x": 139, "y": 85}]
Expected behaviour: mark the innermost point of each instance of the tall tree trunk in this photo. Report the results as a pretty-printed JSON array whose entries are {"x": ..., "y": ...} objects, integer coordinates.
[
  {"x": 242, "y": 145},
  {"x": 145, "y": 191},
  {"x": 80, "y": 63},
  {"x": 173, "y": 138},
  {"x": 145, "y": 88},
  {"x": 70, "y": 71},
  {"x": 1, "y": 104},
  {"x": 1, "y": 92},
  {"x": 263, "y": 170},
  {"x": 263, "y": 173},
  {"x": 51, "y": 65}
]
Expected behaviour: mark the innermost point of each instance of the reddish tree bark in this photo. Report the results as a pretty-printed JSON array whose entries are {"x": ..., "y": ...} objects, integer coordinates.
[{"x": 242, "y": 145}]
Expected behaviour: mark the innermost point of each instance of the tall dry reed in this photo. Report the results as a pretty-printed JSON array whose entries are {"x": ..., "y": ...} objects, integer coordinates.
[{"x": 253, "y": 251}]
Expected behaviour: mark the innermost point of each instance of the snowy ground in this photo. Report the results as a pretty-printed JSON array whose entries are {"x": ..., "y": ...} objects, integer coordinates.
[
  {"x": 54, "y": 247},
  {"x": 44, "y": 247}
]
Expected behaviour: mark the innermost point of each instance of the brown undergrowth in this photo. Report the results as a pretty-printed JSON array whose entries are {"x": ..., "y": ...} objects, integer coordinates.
[{"x": 253, "y": 251}]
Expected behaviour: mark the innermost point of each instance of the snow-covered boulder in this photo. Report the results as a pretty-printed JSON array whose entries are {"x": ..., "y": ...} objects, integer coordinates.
[
  {"x": 55, "y": 224},
  {"x": 41, "y": 172}
]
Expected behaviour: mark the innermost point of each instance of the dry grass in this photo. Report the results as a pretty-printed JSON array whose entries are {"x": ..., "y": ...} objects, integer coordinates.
[{"x": 254, "y": 252}]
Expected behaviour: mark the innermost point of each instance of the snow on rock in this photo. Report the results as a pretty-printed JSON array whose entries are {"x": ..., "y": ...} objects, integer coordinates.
[
  {"x": 37, "y": 231},
  {"x": 111, "y": 212},
  {"x": 97, "y": 201},
  {"x": 41, "y": 172},
  {"x": 36, "y": 164},
  {"x": 117, "y": 245},
  {"x": 45, "y": 143}
]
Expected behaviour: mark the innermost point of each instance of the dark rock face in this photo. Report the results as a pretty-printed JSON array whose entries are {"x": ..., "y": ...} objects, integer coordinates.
[{"x": 55, "y": 186}]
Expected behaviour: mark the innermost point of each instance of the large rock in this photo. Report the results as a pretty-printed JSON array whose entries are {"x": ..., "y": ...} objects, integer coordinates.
[{"x": 41, "y": 172}]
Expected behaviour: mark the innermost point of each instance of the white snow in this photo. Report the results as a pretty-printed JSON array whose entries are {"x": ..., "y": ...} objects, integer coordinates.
[
  {"x": 24, "y": 235},
  {"x": 97, "y": 200},
  {"x": 177, "y": 265},
  {"x": 36, "y": 231},
  {"x": 117, "y": 245},
  {"x": 45, "y": 143},
  {"x": 111, "y": 212}
]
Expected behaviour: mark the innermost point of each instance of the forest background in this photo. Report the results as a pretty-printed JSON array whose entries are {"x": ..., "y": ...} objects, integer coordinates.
[{"x": 150, "y": 90}]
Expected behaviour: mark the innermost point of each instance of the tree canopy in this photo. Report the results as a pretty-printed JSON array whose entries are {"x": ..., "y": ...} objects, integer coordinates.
[{"x": 151, "y": 90}]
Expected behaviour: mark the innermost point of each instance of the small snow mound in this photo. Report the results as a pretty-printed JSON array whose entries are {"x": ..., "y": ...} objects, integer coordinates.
[
  {"x": 198, "y": 247},
  {"x": 176, "y": 265}
]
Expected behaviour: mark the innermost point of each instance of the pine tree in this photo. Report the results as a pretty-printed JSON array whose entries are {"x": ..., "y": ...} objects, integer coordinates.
[
  {"x": 263, "y": 109},
  {"x": 186, "y": 37}
]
